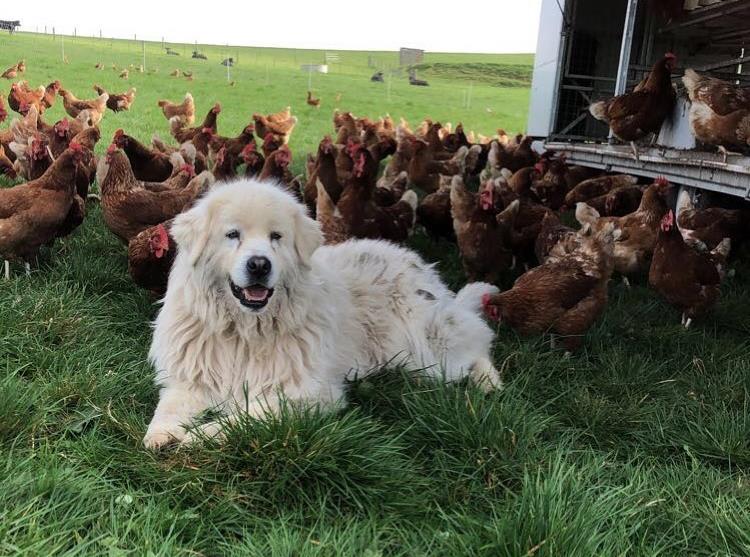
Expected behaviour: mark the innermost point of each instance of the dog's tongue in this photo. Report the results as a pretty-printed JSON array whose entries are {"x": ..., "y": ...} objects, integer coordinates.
[{"x": 256, "y": 293}]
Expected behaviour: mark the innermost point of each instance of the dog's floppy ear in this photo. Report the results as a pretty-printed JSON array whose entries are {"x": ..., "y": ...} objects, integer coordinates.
[
  {"x": 307, "y": 236},
  {"x": 191, "y": 231}
]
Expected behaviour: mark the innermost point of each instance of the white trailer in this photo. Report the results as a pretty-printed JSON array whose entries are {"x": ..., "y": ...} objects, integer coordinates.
[{"x": 589, "y": 50}]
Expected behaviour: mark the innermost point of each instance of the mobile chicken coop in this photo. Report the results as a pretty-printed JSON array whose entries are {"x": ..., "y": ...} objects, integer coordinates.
[{"x": 589, "y": 50}]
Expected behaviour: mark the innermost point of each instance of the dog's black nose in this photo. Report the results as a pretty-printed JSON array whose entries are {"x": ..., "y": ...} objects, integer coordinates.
[{"x": 258, "y": 267}]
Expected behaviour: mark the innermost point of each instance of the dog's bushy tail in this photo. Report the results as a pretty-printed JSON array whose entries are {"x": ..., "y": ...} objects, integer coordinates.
[{"x": 470, "y": 296}]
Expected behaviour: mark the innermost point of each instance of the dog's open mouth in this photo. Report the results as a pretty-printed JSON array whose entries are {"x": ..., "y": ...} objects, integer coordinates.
[{"x": 253, "y": 297}]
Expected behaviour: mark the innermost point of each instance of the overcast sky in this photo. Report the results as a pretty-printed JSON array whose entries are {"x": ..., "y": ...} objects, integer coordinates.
[{"x": 437, "y": 25}]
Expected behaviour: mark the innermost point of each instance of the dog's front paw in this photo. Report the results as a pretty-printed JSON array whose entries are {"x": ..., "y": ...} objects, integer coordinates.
[{"x": 157, "y": 436}]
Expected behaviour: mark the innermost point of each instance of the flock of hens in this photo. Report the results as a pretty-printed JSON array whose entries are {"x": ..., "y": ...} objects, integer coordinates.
[{"x": 501, "y": 202}]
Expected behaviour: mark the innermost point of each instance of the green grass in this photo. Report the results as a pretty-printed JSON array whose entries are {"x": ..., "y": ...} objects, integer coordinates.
[{"x": 637, "y": 445}]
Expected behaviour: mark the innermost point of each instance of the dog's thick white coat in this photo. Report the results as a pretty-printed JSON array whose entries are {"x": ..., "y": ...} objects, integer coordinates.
[{"x": 335, "y": 310}]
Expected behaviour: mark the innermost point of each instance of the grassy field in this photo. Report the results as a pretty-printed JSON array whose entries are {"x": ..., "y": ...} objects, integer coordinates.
[{"x": 637, "y": 445}]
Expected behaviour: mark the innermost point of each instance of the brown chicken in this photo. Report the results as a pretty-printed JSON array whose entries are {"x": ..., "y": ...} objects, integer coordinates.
[
  {"x": 708, "y": 227},
  {"x": 185, "y": 110},
  {"x": 254, "y": 161},
  {"x": 3, "y": 110},
  {"x": 622, "y": 201},
  {"x": 483, "y": 234},
  {"x": 32, "y": 214},
  {"x": 182, "y": 133},
  {"x": 322, "y": 167},
  {"x": 687, "y": 278},
  {"x": 150, "y": 257},
  {"x": 719, "y": 111},
  {"x": 521, "y": 181},
  {"x": 86, "y": 167},
  {"x": 21, "y": 98},
  {"x": 7, "y": 167},
  {"x": 74, "y": 106},
  {"x": 552, "y": 188},
  {"x": 187, "y": 150},
  {"x": 362, "y": 216},
  {"x": 635, "y": 246},
  {"x": 33, "y": 156},
  {"x": 63, "y": 131},
  {"x": 11, "y": 73},
  {"x": 147, "y": 164},
  {"x": 129, "y": 207},
  {"x": 564, "y": 296},
  {"x": 514, "y": 158},
  {"x": 424, "y": 170},
  {"x": 434, "y": 213},
  {"x": 50, "y": 94},
  {"x": 551, "y": 233},
  {"x": 117, "y": 101},
  {"x": 234, "y": 145},
  {"x": 280, "y": 124},
  {"x": 225, "y": 165},
  {"x": 276, "y": 167},
  {"x": 331, "y": 223},
  {"x": 312, "y": 101},
  {"x": 596, "y": 187},
  {"x": 635, "y": 115}
]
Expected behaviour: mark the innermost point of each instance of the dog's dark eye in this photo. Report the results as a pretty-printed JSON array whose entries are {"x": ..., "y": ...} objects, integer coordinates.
[
  {"x": 275, "y": 236},
  {"x": 233, "y": 234}
]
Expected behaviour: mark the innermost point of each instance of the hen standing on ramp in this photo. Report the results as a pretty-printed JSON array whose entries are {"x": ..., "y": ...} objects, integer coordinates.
[{"x": 633, "y": 116}]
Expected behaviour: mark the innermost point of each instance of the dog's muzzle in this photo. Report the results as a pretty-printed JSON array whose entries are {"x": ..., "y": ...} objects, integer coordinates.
[
  {"x": 255, "y": 296},
  {"x": 257, "y": 292}
]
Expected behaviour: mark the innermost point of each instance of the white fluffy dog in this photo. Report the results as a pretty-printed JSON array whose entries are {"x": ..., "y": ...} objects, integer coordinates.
[{"x": 255, "y": 307}]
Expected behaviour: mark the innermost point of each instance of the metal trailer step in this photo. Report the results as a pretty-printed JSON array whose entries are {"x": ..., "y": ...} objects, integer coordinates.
[{"x": 698, "y": 169}]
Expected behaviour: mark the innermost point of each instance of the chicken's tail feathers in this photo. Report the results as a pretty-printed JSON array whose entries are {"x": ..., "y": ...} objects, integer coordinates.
[
  {"x": 177, "y": 160},
  {"x": 723, "y": 249},
  {"x": 586, "y": 214},
  {"x": 470, "y": 296},
  {"x": 410, "y": 197},
  {"x": 323, "y": 203},
  {"x": 684, "y": 203},
  {"x": 189, "y": 152},
  {"x": 599, "y": 110},
  {"x": 176, "y": 123},
  {"x": 691, "y": 80}
]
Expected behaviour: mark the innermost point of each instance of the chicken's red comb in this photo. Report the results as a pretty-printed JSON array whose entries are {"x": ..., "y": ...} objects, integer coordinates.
[
  {"x": 250, "y": 128},
  {"x": 661, "y": 181},
  {"x": 486, "y": 299},
  {"x": 207, "y": 131},
  {"x": 112, "y": 148},
  {"x": 119, "y": 133},
  {"x": 188, "y": 168},
  {"x": 216, "y": 109},
  {"x": 75, "y": 147},
  {"x": 161, "y": 230},
  {"x": 268, "y": 137},
  {"x": 249, "y": 148},
  {"x": 670, "y": 55},
  {"x": 159, "y": 241}
]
